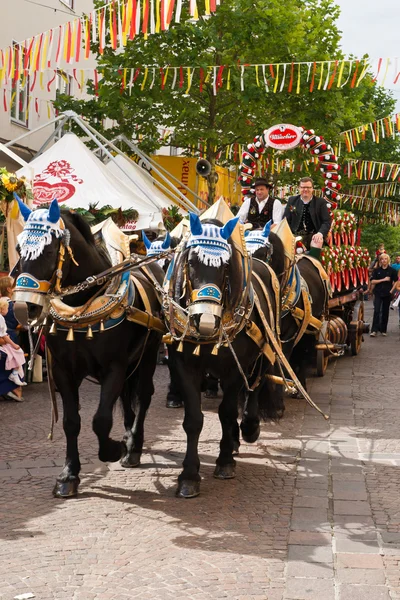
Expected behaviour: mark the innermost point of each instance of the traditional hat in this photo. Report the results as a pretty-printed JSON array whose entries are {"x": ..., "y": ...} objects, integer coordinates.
[{"x": 263, "y": 181}]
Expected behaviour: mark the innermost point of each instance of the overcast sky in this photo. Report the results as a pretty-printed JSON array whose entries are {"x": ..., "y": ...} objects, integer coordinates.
[{"x": 373, "y": 27}]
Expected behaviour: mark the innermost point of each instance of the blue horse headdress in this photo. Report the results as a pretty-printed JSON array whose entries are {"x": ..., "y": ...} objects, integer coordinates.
[
  {"x": 258, "y": 238},
  {"x": 210, "y": 242},
  {"x": 158, "y": 246},
  {"x": 40, "y": 226}
]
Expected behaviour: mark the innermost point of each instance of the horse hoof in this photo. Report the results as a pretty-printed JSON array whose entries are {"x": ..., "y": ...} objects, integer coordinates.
[
  {"x": 113, "y": 452},
  {"x": 236, "y": 446},
  {"x": 130, "y": 461},
  {"x": 174, "y": 403},
  {"x": 251, "y": 436},
  {"x": 225, "y": 471},
  {"x": 188, "y": 489},
  {"x": 66, "y": 489}
]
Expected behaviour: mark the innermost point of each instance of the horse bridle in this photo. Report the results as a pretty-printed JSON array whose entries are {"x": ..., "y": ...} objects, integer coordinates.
[{"x": 38, "y": 291}]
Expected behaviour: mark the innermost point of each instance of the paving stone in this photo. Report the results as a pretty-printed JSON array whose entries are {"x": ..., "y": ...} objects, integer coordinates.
[
  {"x": 359, "y": 561},
  {"x": 309, "y": 538},
  {"x": 358, "y": 547},
  {"x": 309, "y": 589},
  {"x": 301, "y": 568},
  {"x": 318, "y": 554},
  {"x": 361, "y": 592},
  {"x": 361, "y": 576},
  {"x": 351, "y": 507}
]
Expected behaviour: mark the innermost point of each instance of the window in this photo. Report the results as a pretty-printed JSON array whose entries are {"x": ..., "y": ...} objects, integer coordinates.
[
  {"x": 69, "y": 3},
  {"x": 63, "y": 84},
  {"x": 63, "y": 87},
  {"x": 19, "y": 97}
]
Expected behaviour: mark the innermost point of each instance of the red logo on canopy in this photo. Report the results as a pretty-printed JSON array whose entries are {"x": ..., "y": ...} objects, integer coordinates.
[
  {"x": 56, "y": 181},
  {"x": 283, "y": 137}
]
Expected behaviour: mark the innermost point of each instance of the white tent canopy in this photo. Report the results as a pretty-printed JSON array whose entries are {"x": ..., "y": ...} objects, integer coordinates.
[
  {"x": 139, "y": 179},
  {"x": 70, "y": 172}
]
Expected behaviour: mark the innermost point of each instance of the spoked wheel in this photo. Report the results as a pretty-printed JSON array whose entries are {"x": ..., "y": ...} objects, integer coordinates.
[
  {"x": 322, "y": 362},
  {"x": 356, "y": 337}
]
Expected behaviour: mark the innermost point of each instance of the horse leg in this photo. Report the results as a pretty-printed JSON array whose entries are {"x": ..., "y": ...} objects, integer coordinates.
[
  {"x": 190, "y": 382},
  {"x": 111, "y": 388},
  {"x": 250, "y": 424},
  {"x": 174, "y": 396},
  {"x": 67, "y": 482},
  {"x": 228, "y": 414},
  {"x": 134, "y": 437}
]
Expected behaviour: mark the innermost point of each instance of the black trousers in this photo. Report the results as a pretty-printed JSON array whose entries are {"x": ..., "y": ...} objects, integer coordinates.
[{"x": 381, "y": 313}]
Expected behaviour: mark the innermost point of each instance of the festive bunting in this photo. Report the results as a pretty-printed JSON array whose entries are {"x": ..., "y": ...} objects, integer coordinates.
[
  {"x": 371, "y": 169},
  {"x": 377, "y": 130},
  {"x": 116, "y": 20},
  {"x": 385, "y": 190},
  {"x": 119, "y": 22}
]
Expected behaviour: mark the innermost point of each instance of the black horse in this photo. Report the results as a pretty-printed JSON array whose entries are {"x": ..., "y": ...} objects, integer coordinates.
[
  {"x": 297, "y": 345},
  {"x": 123, "y": 355},
  {"x": 212, "y": 320}
]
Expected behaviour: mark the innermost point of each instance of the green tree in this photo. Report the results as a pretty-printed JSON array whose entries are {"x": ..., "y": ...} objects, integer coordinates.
[
  {"x": 373, "y": 235},
  {"x": 241, "y": 32}
]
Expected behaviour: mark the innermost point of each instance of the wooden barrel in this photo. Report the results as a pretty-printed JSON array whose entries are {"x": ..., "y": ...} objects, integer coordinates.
[{"x": 337, "y": 330}]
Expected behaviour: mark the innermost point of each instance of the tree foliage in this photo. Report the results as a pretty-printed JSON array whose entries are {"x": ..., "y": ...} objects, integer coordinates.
[
  {"x": 373, "y": 235},
  {"x": 241, "y": 32}
]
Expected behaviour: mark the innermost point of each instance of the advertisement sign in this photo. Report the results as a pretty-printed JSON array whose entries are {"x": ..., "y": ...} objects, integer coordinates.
[{"x": 283, "y": 137}]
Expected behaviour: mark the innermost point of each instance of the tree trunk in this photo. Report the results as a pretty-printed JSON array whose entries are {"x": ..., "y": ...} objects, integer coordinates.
[{"x": 212, "y": 178}]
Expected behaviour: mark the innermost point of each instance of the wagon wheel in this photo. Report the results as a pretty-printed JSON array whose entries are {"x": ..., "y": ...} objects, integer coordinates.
[
  {"x": 322, "y": 362},
  {"x": 357, "y": 335}
]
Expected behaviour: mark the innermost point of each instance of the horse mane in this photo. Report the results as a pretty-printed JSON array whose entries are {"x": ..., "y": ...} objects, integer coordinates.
[
  {"x": 277, "y": 260},
  {"x": 77, "y": 221}
]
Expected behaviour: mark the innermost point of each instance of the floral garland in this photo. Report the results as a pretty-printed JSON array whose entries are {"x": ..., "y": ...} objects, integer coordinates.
[
  {"x": 10, "y": 183},
  {"x": 345, "y": 265},
  {"x": 344, "y": 227},
  {"x": 315, "y": 144}
]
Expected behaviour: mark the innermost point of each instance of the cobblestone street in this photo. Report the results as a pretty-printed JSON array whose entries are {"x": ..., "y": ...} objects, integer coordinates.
[{"x": 313, "y": 513}]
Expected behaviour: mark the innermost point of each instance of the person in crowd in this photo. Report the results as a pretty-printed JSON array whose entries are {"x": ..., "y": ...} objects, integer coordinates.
[
  {"x": 6, "y": 291},
  {"x": 396, "y": 264},
  {"x": 381, "y": 283},
  {"x": 15, "y": 355},
  {"x": 396, "y": 291},
  {"x": 308, "y": 215},
  {"x": 262, "y": 207}
]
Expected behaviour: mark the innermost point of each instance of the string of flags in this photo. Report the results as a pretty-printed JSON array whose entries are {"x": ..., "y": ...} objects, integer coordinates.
[
  {"x": 388, "y": 126},
  {"x": 385, "y": 190},
  {"x": 113, "y": 25},
  {"x": 69, "y": 44},
  {"x": 388, "y": 211},
  {"x": 370, "y": 169}
]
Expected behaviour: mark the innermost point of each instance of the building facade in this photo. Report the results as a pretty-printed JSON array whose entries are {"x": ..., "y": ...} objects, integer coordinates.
[{"x": 26, "y": 104}]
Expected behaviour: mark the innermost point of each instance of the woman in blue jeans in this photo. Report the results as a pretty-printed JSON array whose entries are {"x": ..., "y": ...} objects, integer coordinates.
[{"x": 382, "y": 280}]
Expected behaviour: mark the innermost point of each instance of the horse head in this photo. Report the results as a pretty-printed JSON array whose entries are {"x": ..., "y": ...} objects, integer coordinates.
[
  {"x": 208, "y": 255},
  {"x": 258, "y": 243},
  {"x": 56, "y": 250},
  {"x": 38, "y": 247},
  {"x": 158, "y": 246}
]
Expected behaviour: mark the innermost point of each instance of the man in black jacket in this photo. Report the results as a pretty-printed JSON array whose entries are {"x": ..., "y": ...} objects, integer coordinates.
[{"x": 308, "y": 215}]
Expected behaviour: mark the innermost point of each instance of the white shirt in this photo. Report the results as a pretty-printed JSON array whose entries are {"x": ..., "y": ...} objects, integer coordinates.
[
  {"x": 3, "y": 326},
  {"x": 277, "y": 210}
]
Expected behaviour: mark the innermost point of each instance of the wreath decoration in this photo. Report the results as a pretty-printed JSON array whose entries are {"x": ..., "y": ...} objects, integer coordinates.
[{"x": 315, "y": 144}]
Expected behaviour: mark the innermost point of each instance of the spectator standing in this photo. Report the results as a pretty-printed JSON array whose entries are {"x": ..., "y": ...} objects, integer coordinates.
[
  {"x": 396, "y": 264},
  {"x": 382, "y": 280}
]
